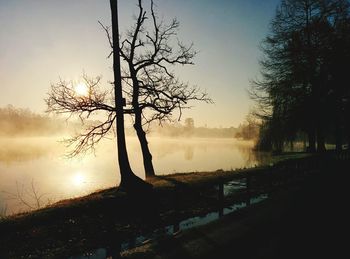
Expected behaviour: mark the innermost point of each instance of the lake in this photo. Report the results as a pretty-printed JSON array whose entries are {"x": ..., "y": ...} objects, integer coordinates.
[{"x": 36, "y": 169}]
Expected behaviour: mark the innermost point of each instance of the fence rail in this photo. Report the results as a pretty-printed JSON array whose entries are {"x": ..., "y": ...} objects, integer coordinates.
[{"x": 284, "y": 173}]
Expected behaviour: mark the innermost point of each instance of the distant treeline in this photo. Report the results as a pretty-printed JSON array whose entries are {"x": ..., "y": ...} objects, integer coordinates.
[
  {"x": 249, "y": 129},
  {"x": 23, "y": 122},
  {"x": 188, "y": 129}
]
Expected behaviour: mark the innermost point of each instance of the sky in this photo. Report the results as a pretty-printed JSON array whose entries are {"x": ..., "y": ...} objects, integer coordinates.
[{"x": 44, "y": 40}]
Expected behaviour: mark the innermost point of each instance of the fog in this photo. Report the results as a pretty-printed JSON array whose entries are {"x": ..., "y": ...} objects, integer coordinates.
[
  {"x": 42, "y": 160},
  {"x": 18, "y": 122},
  {"x": 33, "y": 156}
]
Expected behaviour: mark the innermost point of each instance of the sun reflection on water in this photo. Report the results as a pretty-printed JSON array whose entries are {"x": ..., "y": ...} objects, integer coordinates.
[{"x": 79, "y": 178}]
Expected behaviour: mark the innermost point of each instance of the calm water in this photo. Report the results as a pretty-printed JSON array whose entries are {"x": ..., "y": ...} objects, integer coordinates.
[{"x": 32, "y": 167}]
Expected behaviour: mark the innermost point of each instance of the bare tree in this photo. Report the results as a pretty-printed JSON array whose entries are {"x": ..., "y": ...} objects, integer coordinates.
[
  {"x": 152, "y": 90},
  {"x": 29, "y": 198},
  {"x": 63, "y": 98},
  {"x": 128, "y": 179},
  {"x": 150, "y": 50},
  {"x": 3, "y": 212}
]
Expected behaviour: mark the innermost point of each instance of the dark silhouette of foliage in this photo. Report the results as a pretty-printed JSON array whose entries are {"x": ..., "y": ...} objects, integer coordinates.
[
  {"x": 249, "y": 129},
  {"x": 302, "y": 73}
]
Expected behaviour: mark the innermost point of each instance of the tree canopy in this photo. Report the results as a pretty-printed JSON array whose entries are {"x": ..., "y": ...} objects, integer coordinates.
[{"x": 303, "y": 86}]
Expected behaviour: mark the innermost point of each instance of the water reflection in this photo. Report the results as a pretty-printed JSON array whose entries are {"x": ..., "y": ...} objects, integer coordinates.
[
  {"x": 189, "y": 152},
  {"x": 114, "y": 250},
  {"x": 252, "y": 157},
  {"x": 79, "y": 178},
  {"x": 42, "y": 160},
  {"x": 19, "y": 150},
  {"x": 101, "y": 253}
]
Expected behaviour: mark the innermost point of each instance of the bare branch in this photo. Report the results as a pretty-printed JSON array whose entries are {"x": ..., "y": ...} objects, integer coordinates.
[
  {"x": 108, "y": 34},
  {"x": 150, "y": 53},
  {"x": 87, "y": 141},
  {"x": 30, "y": 198},
  {"x": 64, "y": 99}
]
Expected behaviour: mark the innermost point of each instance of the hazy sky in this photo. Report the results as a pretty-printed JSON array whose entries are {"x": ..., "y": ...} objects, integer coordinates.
[{"x": 42, "y": 40}]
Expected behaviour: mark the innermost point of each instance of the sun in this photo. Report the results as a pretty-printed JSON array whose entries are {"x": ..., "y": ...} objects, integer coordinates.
[
  {"x": 78, "y": 179},
  {"x": 81, "y": 89}
]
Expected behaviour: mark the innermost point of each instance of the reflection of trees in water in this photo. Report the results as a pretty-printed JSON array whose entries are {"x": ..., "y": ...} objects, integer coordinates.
[
  {"x": 189, "y": 152},
  {"x": 297, "y": 146},
  {"x": 12, "y": 150},
  {"x": 247, "y": 154},
  {"x": 3, "y": 207},
  {"x": 11, "y": 154},
  {"x": 162, "y": 149},
  {"x": 167, "y": 147},
  {"x": 252, "y": 157},
  {"x": 262, "y": 158}
]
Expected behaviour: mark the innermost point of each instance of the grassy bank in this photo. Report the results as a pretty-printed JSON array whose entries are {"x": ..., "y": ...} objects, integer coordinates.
[{"x": 103, "y": 218}]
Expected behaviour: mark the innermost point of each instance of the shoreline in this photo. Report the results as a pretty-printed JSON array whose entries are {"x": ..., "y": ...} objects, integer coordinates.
[{"x": 176, "y": 197}]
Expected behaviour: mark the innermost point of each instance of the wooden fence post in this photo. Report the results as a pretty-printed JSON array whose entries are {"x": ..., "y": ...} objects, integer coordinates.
[
  {"x": 248, "y": 187},
  {"x": 221, "y": 198}
]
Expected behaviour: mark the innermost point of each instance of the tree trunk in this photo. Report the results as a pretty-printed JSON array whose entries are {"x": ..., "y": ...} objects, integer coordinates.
[
  {"x": 320, "y": 141},
  {"x": 347, "y": 126},
  {"x": 312, "y": 141},
  {"x": 141, "y": 134},
  {"x": 146, "y": 154},
  {"x": 128, "y": 179},
  {"x": 338, "y": 135},
  {"x": 338, "y": 122}
]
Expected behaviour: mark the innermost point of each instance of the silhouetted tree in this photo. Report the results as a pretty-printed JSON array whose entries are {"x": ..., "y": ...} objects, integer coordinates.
[
  {"x": 63, "y": 98},
  {"x": 152, "y": 91},
  {"x": 294, "y": 90},
  {"x": 128, "y": 179},
  {"x": 338, "y": 58},
  {"x": 249, "y": 130},
  {"x": 189, "y": 123},
  {"x": 150, "y": 50}
]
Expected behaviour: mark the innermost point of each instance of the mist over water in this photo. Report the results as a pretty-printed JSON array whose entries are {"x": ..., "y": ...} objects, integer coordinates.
[{"x": 38, "y": 164}]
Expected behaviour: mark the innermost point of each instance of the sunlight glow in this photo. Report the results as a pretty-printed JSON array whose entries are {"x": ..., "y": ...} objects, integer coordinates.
[
  {"x": 78, "y": 179},
  {"x": 81, "y": 89}
]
